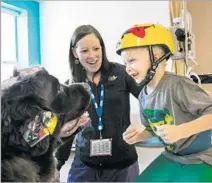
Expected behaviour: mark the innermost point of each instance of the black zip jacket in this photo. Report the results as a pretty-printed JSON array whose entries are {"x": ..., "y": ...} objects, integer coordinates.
[{"x": 116, "y": 118}]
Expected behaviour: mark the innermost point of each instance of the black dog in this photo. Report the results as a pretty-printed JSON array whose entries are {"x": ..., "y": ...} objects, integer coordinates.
[{"x": 34, "y": 106}]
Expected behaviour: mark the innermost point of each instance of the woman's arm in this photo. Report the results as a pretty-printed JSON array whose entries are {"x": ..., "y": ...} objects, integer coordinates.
[{"x": 136, "y": 132}]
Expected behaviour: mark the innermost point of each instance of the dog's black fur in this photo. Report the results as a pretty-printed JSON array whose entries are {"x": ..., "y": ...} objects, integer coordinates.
[{"x": 21, "y": 102}]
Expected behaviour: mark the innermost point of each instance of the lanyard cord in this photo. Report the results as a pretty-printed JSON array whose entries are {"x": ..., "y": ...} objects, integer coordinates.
[{"x": 98, "y": 108}]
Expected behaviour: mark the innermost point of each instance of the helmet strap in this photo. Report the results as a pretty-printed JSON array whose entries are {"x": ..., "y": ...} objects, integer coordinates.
[{"x": 154, "y": 64}]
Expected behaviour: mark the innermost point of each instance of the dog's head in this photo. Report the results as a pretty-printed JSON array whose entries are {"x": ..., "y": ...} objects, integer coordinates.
[{"x": 31, "y": 101}]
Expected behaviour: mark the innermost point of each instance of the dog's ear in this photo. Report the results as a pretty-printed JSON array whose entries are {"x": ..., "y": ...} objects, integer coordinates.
[
  {"x": 11, "y": 102},
  {"x": 16, "y": 111},
  {"x": 24, "y": 97}
]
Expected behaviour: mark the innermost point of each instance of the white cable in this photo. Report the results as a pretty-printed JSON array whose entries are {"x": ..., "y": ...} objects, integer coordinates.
[{"x": 189, "y": 74}]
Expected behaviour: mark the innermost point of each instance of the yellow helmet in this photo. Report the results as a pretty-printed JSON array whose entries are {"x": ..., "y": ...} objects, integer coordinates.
[{"x": 145, "y": 35}]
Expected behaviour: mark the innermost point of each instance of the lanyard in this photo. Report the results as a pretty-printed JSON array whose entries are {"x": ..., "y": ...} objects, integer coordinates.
[{"x": 98, "y": 108}]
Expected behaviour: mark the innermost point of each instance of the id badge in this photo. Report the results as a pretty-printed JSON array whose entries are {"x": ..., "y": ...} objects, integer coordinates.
[{"x": 101, "y": 147}]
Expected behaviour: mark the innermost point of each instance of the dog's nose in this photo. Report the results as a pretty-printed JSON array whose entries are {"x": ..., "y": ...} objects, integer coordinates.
[{"x": 86, "y": 86}]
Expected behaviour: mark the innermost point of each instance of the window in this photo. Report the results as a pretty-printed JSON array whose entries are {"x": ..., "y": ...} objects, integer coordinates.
[
  {"x": 8, "y": 38},
  {"x": 20, "y": 36},
  {"x": 8, "y": 44}
]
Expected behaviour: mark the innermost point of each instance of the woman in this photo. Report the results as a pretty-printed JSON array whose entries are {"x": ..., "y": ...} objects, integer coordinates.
[{"x": 101, "y": 153}]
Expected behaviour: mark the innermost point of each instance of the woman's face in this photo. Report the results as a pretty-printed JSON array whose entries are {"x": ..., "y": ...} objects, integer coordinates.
[{"x": 89, "y": 52}]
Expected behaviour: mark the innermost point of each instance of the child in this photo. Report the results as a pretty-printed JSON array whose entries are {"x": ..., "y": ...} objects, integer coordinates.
[{"x": 172, "y": 107}]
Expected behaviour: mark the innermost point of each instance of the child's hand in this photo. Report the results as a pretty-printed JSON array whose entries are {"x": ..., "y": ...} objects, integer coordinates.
[
  {"x": 132, "y": 133},
  {"x": 169, "y": 133}
]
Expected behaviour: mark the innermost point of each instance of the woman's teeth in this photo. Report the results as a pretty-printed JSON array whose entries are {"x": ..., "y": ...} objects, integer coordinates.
[{"x": 92, "y": 63}]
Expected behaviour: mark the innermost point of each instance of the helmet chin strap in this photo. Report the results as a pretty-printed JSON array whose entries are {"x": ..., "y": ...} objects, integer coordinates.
[{"x": 154, "y": 64}]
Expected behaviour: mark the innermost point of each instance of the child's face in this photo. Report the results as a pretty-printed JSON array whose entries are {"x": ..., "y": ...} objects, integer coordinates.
[{"x": 137, "y": 62}]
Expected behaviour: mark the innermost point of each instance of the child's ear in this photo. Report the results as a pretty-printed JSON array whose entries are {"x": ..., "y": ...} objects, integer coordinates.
[{"x": 156, "y": 55}]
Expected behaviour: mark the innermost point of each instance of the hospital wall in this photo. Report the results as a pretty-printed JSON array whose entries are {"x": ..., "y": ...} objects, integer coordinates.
[
  {"x": 201, "y": 12},
  {"x": 59, "y": 19}
]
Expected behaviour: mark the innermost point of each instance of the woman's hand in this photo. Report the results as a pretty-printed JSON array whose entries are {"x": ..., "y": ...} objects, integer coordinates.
[
  {"x": 70, "y": 127},
  {"x": 133, "y": 133}
]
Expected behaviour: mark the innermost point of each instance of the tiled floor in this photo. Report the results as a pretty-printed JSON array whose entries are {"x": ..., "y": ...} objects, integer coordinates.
[{"x": 145, "y": 157}]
